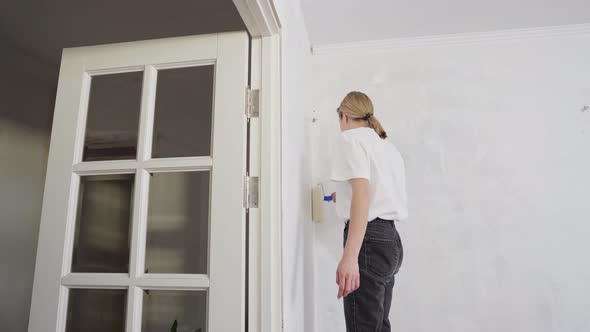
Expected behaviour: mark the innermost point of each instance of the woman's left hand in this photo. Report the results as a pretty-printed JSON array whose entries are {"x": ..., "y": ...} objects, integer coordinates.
[{"x": 347, "y": 276}]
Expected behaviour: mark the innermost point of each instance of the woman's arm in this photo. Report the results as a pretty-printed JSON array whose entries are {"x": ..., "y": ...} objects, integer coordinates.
[
  {"x": 347, "y": 275},
  {"x": 359, "y": 213}
]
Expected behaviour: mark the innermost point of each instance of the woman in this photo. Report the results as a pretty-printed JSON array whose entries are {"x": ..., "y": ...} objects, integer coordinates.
[{"x": 374, "y": 171}]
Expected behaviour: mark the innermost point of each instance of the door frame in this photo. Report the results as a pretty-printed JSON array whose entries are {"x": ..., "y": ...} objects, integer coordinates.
[{"x": 265, "y": 289}]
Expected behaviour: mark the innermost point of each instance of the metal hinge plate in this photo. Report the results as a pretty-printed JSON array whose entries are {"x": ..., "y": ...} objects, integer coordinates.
[
  {"x": 252, "y": 103},
  {"x": 251, "y": 192}
]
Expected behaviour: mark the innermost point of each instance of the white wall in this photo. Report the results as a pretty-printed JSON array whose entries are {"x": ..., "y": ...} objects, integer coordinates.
[
  {"x": 498, "y": 158},
  {"x": 298, "y": 273}
]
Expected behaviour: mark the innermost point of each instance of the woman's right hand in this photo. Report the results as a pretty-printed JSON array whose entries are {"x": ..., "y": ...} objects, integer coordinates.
[{"x": 347, "y": 276}]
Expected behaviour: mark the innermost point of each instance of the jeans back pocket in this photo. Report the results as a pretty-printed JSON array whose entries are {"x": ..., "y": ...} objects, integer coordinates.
[
  {"x": 382, "y": 249},
  {"x": 381, "y": 257}
]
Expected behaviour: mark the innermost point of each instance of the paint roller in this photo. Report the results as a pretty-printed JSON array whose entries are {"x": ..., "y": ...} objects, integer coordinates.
[{"x": 317, "y": 203}]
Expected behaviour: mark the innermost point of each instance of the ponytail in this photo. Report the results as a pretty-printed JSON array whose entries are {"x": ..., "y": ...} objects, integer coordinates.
[{"x": 377, "y": 127}]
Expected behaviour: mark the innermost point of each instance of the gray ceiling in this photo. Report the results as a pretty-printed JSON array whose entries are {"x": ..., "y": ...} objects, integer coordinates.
[
  {"x": 41, "y": 28},
  {"x": 337, "y": 21}
]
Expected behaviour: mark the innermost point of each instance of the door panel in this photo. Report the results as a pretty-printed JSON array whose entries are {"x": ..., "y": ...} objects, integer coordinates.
[
  {"x": 142, "y": 223},
  {"x": 183, "y": 112},
  {"x": 103, "y": 224},
  {"x": 112, "y": 123},
  {"x": 92, "y": 310},
  {"x": 164, "y": 308},
  {"x": 178, "y": 229}
]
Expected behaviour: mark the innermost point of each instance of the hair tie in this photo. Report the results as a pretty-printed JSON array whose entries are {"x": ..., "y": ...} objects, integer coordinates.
[{"x": 368, "y": 116}]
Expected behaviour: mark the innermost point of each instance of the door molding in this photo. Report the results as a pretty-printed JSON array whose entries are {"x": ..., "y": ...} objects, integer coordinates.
[
  {"x": 265, "y": 310},
  {"x": 265, "y": 223},
  {"x": 260, "y": 17}
]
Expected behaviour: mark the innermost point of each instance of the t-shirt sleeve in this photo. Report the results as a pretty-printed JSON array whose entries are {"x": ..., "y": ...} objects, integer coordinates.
[{"x": 349, "y": 160}]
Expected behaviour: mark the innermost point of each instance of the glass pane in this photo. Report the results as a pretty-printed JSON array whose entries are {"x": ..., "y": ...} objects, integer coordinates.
[
  {"x": 184, "y": 110},
  {"x": 178, "y": 223},
  {"x": 182, "y": 311},
  {"x": 101, "y": 242},
  {"x": 96, "y": 310},
  {"x": 113, "y": 117}
]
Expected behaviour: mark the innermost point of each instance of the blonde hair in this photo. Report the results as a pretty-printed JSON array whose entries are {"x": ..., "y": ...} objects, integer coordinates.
[{"x": 358, "y": 106}]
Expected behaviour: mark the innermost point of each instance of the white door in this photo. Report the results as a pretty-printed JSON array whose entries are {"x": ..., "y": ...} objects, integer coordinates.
[{"x": 142, "y": 226}]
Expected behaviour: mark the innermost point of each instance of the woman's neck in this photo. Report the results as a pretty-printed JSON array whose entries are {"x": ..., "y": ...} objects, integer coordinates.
[{"x": 359, "y": 124}]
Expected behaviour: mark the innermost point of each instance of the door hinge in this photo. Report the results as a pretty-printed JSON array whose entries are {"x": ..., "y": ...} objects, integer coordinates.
[
  {"x": 251, "y": 192},
  {"x": 252, "y": 103}
]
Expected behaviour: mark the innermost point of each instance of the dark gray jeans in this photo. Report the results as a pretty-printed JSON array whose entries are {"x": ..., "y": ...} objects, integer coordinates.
[{"x": 380, "y": 257}]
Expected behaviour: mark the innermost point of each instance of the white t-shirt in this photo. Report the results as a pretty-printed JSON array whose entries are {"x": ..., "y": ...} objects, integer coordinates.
[{"x": 361, "y": 153}]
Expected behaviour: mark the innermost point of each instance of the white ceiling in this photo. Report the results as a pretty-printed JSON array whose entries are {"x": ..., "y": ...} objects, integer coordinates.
[{"x": 338, "y": 21}]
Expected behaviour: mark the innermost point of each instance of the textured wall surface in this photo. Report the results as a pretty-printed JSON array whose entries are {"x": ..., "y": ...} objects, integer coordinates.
[
  {"x": 298, "y": 231},
  {"x": 497, "y": 151}
]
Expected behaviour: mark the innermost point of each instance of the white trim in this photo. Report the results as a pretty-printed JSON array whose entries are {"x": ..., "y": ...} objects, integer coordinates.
[
  {"x": 96, "y": 280},
  {"x": 138, "y": 229},
  {"x": 270, "y": 186},
  {"x": 186, "y": 282},
  {"x": 260, "y": 17},
  {"x": 152, "y": 165},
  {"x": 70, "y": 225},
  {"x": 178, "y": 164},
  {"x": 105, "y": 167},
  {"x": 178, "y": 50},
  {"x": 123, "y": 280},
  {"x": 139, "y": 225},
  {"x": 452, "y": 39},
  {"x": 265, "y": 256},
  {"x": 227, "y": 268},
  {"x": 148, "y": 109},
  {"x": 82, "y": 112},
  {"x": 62, "y": 308},
  {"x": 120, "y": 70},
  {"x": 184, "y": 64},
  {"x": 134, "y": 307},
  {"x": 254, "y": 224}
]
